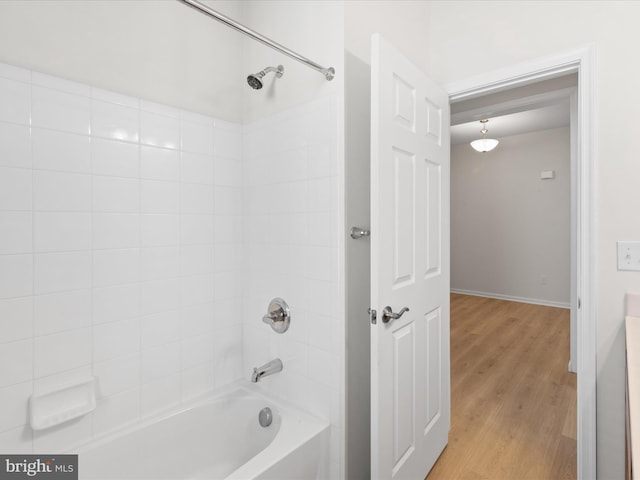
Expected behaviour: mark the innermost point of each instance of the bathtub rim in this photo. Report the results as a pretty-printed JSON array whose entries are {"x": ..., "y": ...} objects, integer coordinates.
[{"x": 295, "y": 423}]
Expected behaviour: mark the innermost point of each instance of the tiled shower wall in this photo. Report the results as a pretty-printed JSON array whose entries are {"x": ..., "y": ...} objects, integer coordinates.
[
  {"x": 291, "y": 233},
  {"x": 120, "y": 237}
]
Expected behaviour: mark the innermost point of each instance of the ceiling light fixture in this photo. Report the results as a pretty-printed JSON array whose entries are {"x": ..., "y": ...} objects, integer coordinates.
[{"x": 484, "y": 144}]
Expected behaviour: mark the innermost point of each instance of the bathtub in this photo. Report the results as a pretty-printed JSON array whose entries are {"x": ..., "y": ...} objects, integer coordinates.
[{"x": 216, "y": 438}]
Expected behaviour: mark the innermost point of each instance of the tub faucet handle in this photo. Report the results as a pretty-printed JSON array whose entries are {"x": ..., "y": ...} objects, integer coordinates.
[{"x": 278, "y": 315}]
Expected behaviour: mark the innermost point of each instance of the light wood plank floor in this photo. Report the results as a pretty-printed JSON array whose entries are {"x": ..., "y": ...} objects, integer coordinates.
[{"x": 513, "y": 403}]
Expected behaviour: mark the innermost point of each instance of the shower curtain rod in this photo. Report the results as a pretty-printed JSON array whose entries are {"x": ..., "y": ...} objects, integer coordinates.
[{"x": 327, "y": 72}]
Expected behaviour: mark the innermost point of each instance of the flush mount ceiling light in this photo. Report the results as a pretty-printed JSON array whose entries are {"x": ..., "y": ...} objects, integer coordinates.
[{"x": 484, "y": 144}]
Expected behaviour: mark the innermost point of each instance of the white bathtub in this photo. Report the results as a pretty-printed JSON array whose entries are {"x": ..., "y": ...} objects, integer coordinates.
[{"x": 217, "y": 438}]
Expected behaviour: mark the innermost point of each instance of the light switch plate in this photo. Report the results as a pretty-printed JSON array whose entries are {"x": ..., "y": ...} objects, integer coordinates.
[{"x": 628, "y": 255}]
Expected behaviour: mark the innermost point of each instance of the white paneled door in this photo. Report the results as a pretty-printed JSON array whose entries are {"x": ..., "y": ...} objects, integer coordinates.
[{"x": 410, "y": 382}]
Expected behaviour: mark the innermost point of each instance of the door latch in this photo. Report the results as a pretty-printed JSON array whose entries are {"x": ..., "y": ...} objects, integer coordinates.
[{"x": 373, "y": 316}]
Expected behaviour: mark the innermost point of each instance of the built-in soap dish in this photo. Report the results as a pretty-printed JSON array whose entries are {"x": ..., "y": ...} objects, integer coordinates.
[{"x": 63, "y": 404}]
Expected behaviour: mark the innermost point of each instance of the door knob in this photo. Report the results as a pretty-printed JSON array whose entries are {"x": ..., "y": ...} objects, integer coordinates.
[
  {"x": 388, "y": 315},
  {"x": 358, "y": 232}
]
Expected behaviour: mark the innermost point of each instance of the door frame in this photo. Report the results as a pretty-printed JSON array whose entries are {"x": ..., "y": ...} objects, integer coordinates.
[{"x": 582, "y": 61}]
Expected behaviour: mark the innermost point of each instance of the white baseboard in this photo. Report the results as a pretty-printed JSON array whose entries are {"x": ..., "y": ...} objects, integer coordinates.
[{"x": 498, "y": 296}]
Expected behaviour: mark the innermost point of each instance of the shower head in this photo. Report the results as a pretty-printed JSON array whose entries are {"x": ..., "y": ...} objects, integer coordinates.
[{"x": 255, "y": 80}]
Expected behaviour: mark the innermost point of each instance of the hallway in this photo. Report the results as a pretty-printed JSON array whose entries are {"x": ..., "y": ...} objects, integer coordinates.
[{"x": 513, "y": 402}]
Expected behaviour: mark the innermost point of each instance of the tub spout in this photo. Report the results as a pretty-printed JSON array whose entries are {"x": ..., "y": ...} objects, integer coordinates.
[{"x": 274, "y": 366}]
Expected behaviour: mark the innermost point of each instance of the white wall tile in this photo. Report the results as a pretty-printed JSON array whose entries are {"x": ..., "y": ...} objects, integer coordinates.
[
  {"x": 57, "y": 191},
  {"x": 197, "y": 350},
  {"x": 16, "y": 319},
  {"x": 197, "y": 319},
  {"x": 159, "y": 108},
  {"x": 114, "y": 97},
  {"x": 320, "y": 194},
  {"x": 227, "y": 172},
  {"x": 61, "y": 84},
  {"x": 15, "y": 189},
  {"x": 159, "y": 296},
  {"x": 322, "y": 161},
  {"x": 226, "y": 285},
  {"x": 117, "y": 122},
  {"x": 15, "y": 149},
  {"x": 61, "y": 351},
  {"x": 16, "y": 232},
  {"x": 16, "y": 362},
  {"x": 65, "y": 152},
  {"x": 319, "y": 228},
  {"x": 197, "y": 380},
  {"x": 15, "y": 405},
  {"x": 318, "y": 263},
  {"x": 114, "y": 158},
  {"x": 160, "y": 394},
  {"x": 17, "y": 441},
  {"x": 197, "y": 137},
  {"x": 16, "y": 275},
  {"x": 226, "y": 257},
  {"x": 113, "y": 267},
  {"x": 60, "y": 111},
  {"x": 323, "y": 367},
  {"x": 197, "y": 168},
  {"x": 117, "y": 195},
  {"x": 62, "y": 311},
  {"x": 160, "y": 361},
  {"x": 228, "y": 201},
  {"x": 196, "y": 198},
  {"x": 227, "y": 229},
  {"x": 116, "y": 411},
  {"x": 68, "y": 377},
  {"x": 63, "y": 437},
  {"x": 114, "y": 303},
  {"x": 196, "y": 259},
  {"x": 159, "y": 230},
  {"x": 117, "y": 375},
  {"x": 15, "y": 73},
  {"x": 159, "y": 329},
  {"x": 196, "y": 229},
  {"x": 158, "y": 263},
  {"x": 197, "y": 289},
  {"x": 159, "y": 197},
  {"x": 115, "y": 339},
  {"x": 15, "y": 98},
  {"x": 227, "y": 140},
  {"x": 57, "y": 272},
  {"x": 159, "y": 130},
  {"x": 159, "y": 164},
  {"x": 322, "y": 332},
  {"x": 291, "y": 165},
  {"x": 116, "y": 230},
  {"x": 61, "y": 231}
]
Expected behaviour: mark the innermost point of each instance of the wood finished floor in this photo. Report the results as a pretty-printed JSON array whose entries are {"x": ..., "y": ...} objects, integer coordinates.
[{"x": 513, "y": 402}]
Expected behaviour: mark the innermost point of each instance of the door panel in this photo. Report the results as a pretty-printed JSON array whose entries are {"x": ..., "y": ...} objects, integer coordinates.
[{"x": 410, "y": 383}]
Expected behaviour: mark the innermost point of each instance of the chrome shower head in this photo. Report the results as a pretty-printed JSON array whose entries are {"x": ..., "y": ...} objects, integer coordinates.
[{"x": 255, "y": 80}]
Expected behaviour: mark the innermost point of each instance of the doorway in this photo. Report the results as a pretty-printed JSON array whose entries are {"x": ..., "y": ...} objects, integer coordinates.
[{"x": 357, "y": 324}]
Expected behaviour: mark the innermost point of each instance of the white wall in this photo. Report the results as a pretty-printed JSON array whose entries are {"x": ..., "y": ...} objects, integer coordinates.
[
  {"x": 116, "y": 249},
  {"x": 513, "y": 32},
  {"x": 165, "y": 52},
  {"x": 402, "y": 22},
  {"x": 291, "y": 250},
  {"x": 293, "y": 176},
  {"x": 509, "y": 228},
  {"x": 155, "y": 49},
  {"x": 313, "y": 29}
]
